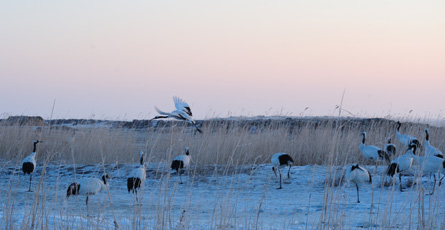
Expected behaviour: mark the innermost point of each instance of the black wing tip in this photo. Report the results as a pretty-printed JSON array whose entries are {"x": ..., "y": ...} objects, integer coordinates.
[
  {"x": 392, "y": 169},
  {"x": 133, "y": 183},
  {"x": 73, "y": 189}
]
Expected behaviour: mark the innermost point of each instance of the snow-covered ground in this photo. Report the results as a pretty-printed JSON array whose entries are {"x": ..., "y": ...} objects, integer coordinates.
[{"x": 216, "y": 197}]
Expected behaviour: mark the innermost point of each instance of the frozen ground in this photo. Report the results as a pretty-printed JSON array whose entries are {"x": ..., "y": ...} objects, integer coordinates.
[{"x": 216, "y": 197}]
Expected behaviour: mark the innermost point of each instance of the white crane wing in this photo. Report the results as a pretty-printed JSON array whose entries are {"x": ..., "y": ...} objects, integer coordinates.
[{"x": 181, "y": 105}]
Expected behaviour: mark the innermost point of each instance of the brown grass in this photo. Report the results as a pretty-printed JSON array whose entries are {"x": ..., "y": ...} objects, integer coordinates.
[{"x": 326, "y": 141}]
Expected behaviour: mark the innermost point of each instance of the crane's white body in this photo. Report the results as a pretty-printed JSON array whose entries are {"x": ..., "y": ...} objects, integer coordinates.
[
  {"x": 357, "y": 174},
  {"x": 185, "y": 159},
  {"x": 372, "y": 152},
  {"x": 182, "y": 112},
  {"x": 90, "y": 186},
  {"x": 275, "y": 160},
  {"x": 30, "y": 159},
  {"x": 429, "y": 149},
  {"x": 429, "y": 164},
  {"x": 138, "y": 172},
  {"x": 404, "y": 139},
  {"x": 404, "y": 162}
]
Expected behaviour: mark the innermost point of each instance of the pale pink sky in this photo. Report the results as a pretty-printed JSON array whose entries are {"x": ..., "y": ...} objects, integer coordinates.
[{"x": 118, "y": 59}]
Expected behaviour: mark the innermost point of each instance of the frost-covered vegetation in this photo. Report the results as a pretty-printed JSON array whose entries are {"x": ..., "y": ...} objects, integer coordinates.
[{"x": 230, "y": 184}]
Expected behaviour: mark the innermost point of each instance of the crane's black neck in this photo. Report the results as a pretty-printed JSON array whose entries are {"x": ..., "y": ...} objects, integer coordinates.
[
  {"x": 142, "y": 160},
  {"x": 427, "y": 135},
  {"x": 187, "y": 152},
  {"x": 364, "y": 138},
  {"x": 398, "y": 126},
  {"x": 104, "y": 178},
  {"x": 35, "y": 146}
]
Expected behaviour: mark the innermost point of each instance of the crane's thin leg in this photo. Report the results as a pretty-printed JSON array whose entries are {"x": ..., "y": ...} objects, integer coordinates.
[
  {"x": 30, "y": 182},
  {"x": 400, "y": 179},
  {"x": 440, "y": 179},
  {"x": 136, "y": 193},
  {"x": 288, "y": 172},
  {"x": 280, "y": 180},
  {"x": 86, "y": 202},
  {"x": 180, "y": 178},
  {"x": 434, "y": 185},
  {"x": 358, "y": 195},
  {"x": 197, "y": 128}
]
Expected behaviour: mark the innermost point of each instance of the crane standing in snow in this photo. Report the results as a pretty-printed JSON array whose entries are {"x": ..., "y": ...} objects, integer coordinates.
[
  {"x": 402, "y": 163},
  {"x": 431, "y": 165},
  {"x": 29, "y": 163},
  {"x": 181, "y": 162},
  {"x": 357, "y": 175},
  {"x": 136, "y": 177}
]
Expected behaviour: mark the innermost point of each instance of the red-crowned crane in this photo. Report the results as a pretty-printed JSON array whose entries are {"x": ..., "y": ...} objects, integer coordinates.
[
  {"x": 181, "y": 162},
  {"x": 182, "y": 112},
  {"x": 429, "y": 149},
  {"x": 357, "y": 175},
  {"x": 402, "y": 163},
  {"x": 406, "y": 139},
  {"x": 29, "y": 163},
  {"x": 372, "y": 152},
  {"x": 137, "y": 176},
  {"x": 281, "y": 160},
  {"x": 88, "y": 187},
  {"x": 431, "y": 165}
]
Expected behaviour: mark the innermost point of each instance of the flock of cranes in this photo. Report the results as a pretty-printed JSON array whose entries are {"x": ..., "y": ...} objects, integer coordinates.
[
  {"x": 136, "y": 178},
  {"x": 90, "y": 186},
  {"x": 432, "y": 162}
]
